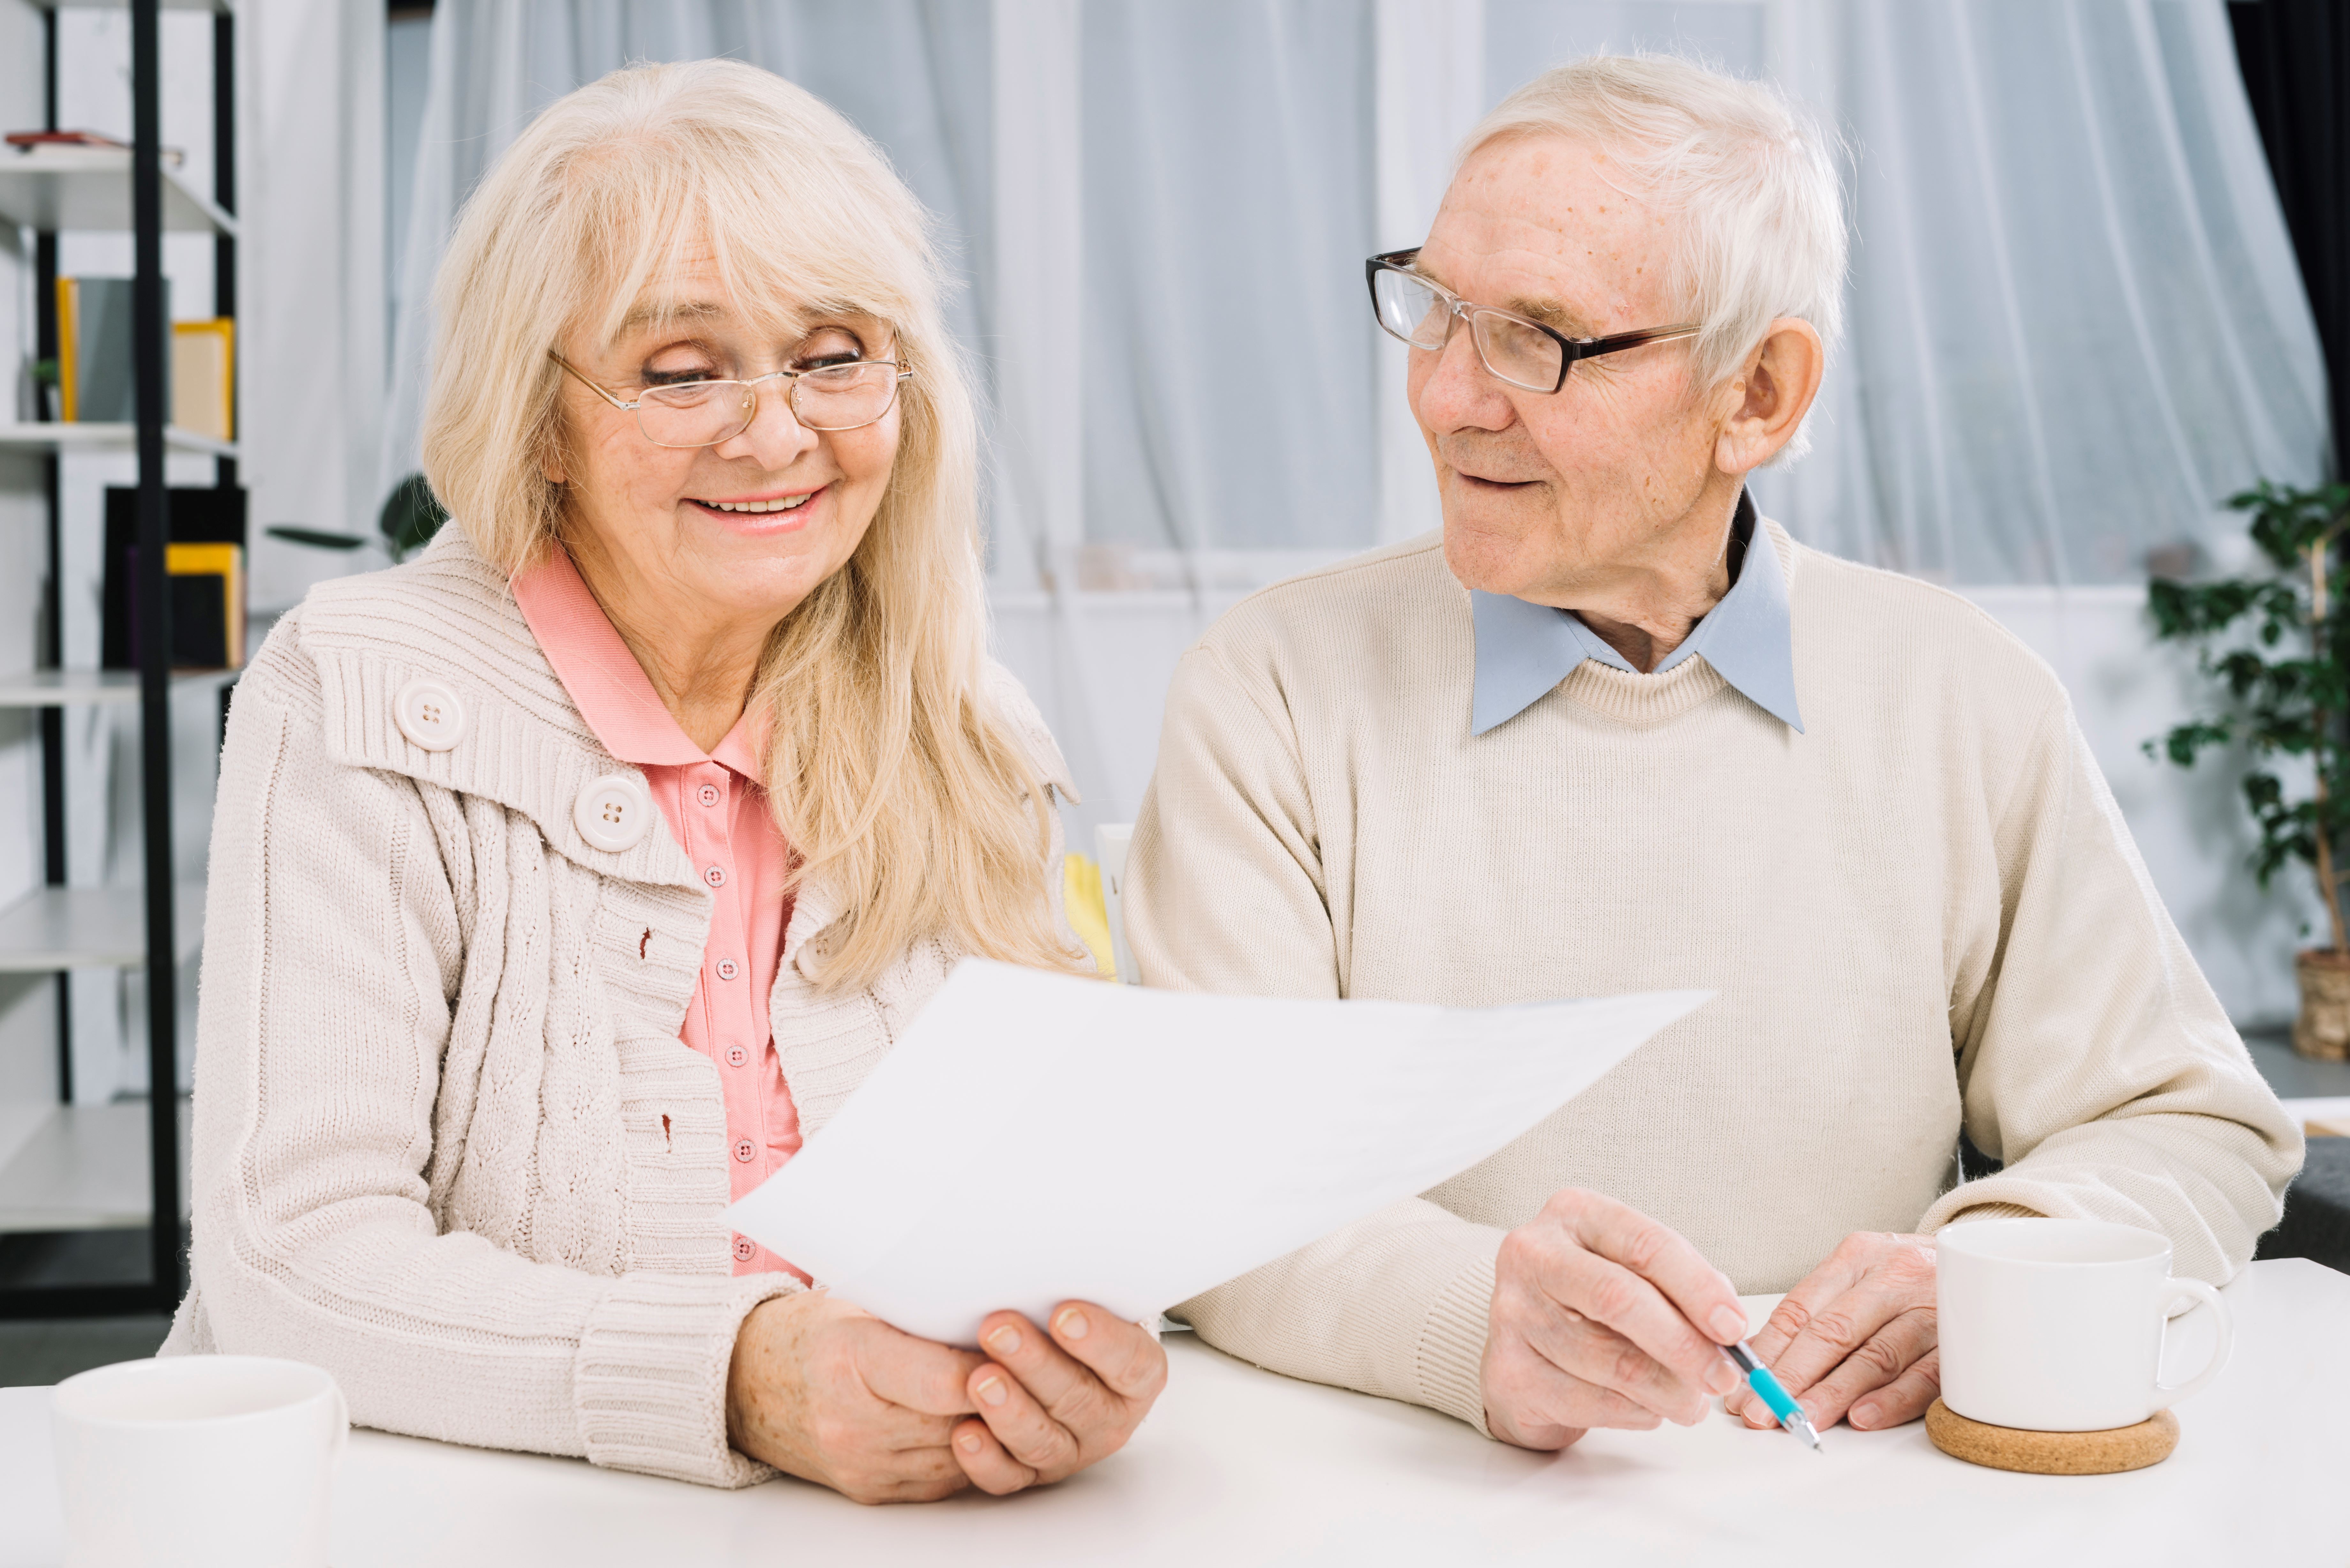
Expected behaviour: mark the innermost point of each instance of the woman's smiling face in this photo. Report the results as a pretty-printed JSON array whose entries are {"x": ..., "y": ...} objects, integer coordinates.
[{"x": 745, "y": 529}]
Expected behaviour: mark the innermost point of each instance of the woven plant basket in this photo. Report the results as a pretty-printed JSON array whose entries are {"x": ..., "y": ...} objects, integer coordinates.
[{"x": 2323, "y": 1030}]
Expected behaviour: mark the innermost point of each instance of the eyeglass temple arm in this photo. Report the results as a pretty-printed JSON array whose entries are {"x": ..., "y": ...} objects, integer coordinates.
[
  {"x": 1592, "y": 348},
  {"x": 591, "y": 386}
]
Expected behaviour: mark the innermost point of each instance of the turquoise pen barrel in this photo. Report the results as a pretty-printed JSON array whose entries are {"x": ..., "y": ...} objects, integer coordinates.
[
  {"x": 1772, "y": 1393},
  {"x": 1766, "y": 1384}
]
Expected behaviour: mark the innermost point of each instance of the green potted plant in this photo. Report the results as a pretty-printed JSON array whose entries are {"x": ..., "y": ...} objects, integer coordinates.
[{"x": 2279, "y": 649}]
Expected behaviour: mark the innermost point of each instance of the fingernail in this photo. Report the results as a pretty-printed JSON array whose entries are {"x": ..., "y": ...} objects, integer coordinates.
[
  {"x": 1863, "y": 1415},
  {"x": 1071, "y": 1324},
  {"x": 968, "y": 1442},
  {"x": 993, "y": 1392},
  {"x": 1729, "y": 1324},
  {"x": 1720, "y": 1377},
  {"x": 1005, "y": 1341}
]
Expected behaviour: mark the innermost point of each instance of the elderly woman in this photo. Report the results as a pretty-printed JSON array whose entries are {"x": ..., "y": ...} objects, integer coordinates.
[{"x": 567, "y": 879}]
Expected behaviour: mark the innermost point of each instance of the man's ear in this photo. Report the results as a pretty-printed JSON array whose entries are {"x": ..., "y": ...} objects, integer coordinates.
[{"x": 1773, "y": 393}]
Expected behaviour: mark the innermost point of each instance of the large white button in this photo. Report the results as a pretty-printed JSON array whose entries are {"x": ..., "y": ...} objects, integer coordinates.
[
  {"x": 745, "y": 1246},
  {"x": 613, "y": 813},
  {"x": 429, "y": 714}
]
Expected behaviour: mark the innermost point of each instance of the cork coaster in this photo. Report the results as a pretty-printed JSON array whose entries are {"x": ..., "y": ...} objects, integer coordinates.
[{"x": 2053, "y": 1453}]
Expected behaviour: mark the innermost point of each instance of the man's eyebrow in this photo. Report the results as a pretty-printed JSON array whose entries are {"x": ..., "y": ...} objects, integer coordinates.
[{"x": 1551, "y": 313}]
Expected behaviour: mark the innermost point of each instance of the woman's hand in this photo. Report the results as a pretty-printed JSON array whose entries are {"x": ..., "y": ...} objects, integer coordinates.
[
  {"x": 1049, "y": 1407},
  {"x": 830, "y": 1393}
]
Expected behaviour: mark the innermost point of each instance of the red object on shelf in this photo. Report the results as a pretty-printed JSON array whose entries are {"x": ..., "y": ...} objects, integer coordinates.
[
  {"x": 62, "y": 138},
  {"x": 26, "y": 140}
]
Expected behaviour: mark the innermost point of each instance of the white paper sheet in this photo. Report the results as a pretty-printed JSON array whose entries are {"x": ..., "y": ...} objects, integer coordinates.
[{"x": 1038, "y": 1138}]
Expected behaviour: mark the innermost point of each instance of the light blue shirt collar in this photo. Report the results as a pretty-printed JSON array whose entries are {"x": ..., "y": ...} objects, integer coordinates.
[{"x": 1525, "y": 649}]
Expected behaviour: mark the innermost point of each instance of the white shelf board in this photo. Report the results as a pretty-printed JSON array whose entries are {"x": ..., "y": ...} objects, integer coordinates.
[
  {"x": 104, "y": 437},
  {"x": 96, "y": 688},
  {"x": 125, "y": 5},
  {"x": 88, "y": 188},
  {"x": 85, "y": 1168},
  {"x": 52, "y": 929}
]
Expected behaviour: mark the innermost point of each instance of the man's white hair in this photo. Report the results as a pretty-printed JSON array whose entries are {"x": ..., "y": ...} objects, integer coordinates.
[{"x": 1750, "y": 180}]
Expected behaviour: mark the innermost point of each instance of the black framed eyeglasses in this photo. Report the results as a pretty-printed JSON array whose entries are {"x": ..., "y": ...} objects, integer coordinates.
[{"x": 1525, "y": 354}]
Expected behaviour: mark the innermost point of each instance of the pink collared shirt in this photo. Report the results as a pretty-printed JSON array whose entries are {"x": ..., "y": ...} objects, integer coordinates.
[{"x": 717, "y": 809}]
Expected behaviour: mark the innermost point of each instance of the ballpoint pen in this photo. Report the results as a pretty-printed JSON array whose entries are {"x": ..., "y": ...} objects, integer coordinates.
[{"x": 1768, "y": 1388}]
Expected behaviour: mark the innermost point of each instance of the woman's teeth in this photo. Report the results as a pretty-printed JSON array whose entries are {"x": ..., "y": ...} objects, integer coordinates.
[{"x": 788, "y": 504}]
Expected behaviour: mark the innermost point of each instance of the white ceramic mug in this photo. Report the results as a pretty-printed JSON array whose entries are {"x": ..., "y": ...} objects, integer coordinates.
[
  {"x": 2056, "y": 1326},
  {"x": 193, "y": 1460}
]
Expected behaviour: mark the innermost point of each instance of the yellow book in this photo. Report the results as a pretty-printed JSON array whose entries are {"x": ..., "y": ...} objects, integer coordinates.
[
  {"x": 68, "y": 348},
  {"x": 207, "y": 620},
  {"x": 203, "y": 377},
  {"x": 1081, "y": 900}
]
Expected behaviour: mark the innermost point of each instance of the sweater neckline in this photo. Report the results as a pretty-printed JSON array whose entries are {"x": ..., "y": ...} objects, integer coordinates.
[{"x": 1643, "y": 701}]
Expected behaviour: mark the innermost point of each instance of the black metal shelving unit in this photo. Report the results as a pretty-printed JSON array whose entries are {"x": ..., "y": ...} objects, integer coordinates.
[{"x": 59, "y": 927}]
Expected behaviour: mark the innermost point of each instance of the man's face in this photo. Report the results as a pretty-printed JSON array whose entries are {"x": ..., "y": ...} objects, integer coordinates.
[{"x": 1551, "y": 494}]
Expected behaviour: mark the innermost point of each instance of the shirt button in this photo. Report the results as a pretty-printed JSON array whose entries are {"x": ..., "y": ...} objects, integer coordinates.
[
  {"x": 726, "y": 970},
  {"x": 715, "y": 876},
  {"x": 743, "y": 1151},
  {"x": 709, "y": 794},
  {"x": 743, "y": 1248},
  {"x": 736, "y": 1056}
]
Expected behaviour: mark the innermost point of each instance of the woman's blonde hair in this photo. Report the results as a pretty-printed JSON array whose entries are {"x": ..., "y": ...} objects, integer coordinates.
[{"x": 891, "y": 774}]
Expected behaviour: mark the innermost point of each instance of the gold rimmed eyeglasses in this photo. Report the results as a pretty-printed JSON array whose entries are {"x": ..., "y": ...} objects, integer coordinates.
[{"x": 705, "y": 413}]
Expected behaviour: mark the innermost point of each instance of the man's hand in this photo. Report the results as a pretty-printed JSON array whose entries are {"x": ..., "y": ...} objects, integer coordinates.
[
  {"x": 1050, "y": 1406},
  {"x": 830, "y": 1393},
  {"x": 1856, "y": 1341},
  {"x": 1591, "y": 1325}
]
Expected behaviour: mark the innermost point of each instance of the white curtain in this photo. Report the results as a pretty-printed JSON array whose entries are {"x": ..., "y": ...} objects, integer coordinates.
[
  {"x": 1229, "y": 198},
  {"x": 2076, "y": 322}
]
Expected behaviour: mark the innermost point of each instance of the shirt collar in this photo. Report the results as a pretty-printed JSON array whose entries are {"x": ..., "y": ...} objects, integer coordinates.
[
  {"x": 604, "y": 679},
  {"x": 1525, "y": 649}
]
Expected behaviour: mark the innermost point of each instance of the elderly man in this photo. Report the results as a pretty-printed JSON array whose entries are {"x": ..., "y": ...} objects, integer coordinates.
[{"x": 1611, "y": 731}]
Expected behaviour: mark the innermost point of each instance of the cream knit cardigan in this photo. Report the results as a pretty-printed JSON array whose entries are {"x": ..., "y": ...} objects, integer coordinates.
[
  {"x": 1924, "y": 912},
  {"x": 448, "y": 1144}
]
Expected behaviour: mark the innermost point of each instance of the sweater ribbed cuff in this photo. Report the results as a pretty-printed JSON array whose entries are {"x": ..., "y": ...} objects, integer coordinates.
[
  {"x": 1450, "y": 1361},
  {"x": 649, "y": 1385}
]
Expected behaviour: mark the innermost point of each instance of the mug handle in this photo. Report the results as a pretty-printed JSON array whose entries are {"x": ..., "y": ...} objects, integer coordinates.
[
  {"x": 2165, "y": 1394},
  {"x": 342, "y": 1420}
]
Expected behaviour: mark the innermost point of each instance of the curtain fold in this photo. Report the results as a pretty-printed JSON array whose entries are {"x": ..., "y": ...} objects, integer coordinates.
[{"x": 2077, "y": 324}]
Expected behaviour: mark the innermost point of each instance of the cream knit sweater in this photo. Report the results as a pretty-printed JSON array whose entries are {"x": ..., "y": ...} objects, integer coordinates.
[
  {"x": 1924, "y": 912},
  {"x": 448, "y": 1144}
]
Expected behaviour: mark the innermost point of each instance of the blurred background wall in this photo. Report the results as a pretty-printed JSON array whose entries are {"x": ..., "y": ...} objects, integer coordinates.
[{"x": 2076, "y": 320}]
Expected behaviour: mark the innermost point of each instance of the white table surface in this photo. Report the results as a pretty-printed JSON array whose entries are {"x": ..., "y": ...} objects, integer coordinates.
[{"x": 1238, "y": 1466}]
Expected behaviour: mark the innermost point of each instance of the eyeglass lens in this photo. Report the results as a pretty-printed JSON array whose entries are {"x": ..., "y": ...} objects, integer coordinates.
[
  {"x": 705, "y": 413},
  {"x": 1409, "y": 308}
]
